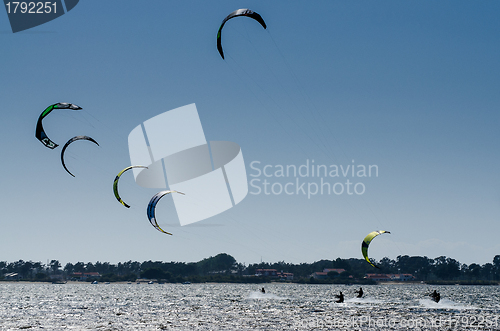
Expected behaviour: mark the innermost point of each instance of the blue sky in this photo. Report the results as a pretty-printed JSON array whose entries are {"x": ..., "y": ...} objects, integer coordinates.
[{"x": 411, "y": 87}]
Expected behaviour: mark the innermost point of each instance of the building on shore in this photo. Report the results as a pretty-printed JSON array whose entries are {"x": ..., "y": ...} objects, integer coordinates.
[
  {"x": 83, "y": 276},
  {"x": 273, "y": 273},
  {"x": 324, "y": 274},
  {"x": 390, "y": 277},
  {"x": 12, "y": 276}
]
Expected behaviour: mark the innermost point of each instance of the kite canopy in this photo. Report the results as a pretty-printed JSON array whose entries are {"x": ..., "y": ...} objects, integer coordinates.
[
  {"x": 236, "y": 13},
  {"x": 115, "y": 184},
  {"x": 366, "y": 242},
  {"x": 40, "y": 132},
  {"x": 152, "y": 207},
  {"x": 69, "y": 142}
]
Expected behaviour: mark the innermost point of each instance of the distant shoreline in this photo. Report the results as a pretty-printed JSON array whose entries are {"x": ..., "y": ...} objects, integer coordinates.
[{"x": 72, "y": 282}]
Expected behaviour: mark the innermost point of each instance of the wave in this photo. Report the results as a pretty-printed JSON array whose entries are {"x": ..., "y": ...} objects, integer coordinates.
[
  {"x": 443, "y": 304},
  {"x": 364, "y": 300},
  {"x": 258, "y": 295}
]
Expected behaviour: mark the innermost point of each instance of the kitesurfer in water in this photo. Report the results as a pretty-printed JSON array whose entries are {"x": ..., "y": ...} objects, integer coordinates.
[
  {"x": 340, "y": 297},
  {"x": 263, "y": 291},
  {"x": 435, "y": 296},
  {"x": 360, "y": 292}
]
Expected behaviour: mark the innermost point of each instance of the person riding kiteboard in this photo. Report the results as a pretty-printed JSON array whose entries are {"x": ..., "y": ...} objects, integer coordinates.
[
  {"x": 360, "y": 292},
  {"x": 435, "y": 296}
]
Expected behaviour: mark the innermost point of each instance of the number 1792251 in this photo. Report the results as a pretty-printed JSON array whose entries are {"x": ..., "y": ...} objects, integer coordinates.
[{"x": 31, "y": 7}]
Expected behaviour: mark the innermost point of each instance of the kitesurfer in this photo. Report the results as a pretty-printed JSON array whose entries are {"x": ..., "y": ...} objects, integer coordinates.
[
  {"x": 360, "y": 292},
  {"x": 263, "y": 291},
  {"x": 435, "y": 296},
  {"x": 340, "y": 297}
]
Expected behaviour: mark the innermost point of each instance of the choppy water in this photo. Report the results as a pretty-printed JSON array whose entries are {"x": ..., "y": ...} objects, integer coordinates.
[{"x": 243, "y": 307}]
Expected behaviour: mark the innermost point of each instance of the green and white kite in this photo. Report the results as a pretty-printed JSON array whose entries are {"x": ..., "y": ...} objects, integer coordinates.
[{"x": 40, "y": 132}]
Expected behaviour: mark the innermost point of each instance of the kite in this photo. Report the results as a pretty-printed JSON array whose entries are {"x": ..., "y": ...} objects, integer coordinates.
[
  {"x": 69, "y": 142},
  {"x": 366, "y": 242},
  {"x": 40, "y": 133},
  {"x": 115, "y": 184},
  {"x": 236, "y": 13},
  {"x": 152, "y": 206}
]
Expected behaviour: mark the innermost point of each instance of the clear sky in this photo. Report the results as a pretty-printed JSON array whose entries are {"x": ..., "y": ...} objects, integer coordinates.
[{"x": 410, "y": 87}]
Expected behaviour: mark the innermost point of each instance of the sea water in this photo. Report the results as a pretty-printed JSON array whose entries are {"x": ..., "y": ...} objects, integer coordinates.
[{"x": 84, "y": 306}]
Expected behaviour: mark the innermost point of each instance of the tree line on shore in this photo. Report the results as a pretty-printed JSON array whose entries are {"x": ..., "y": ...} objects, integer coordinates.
[{"x": 224, "y": 268}]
